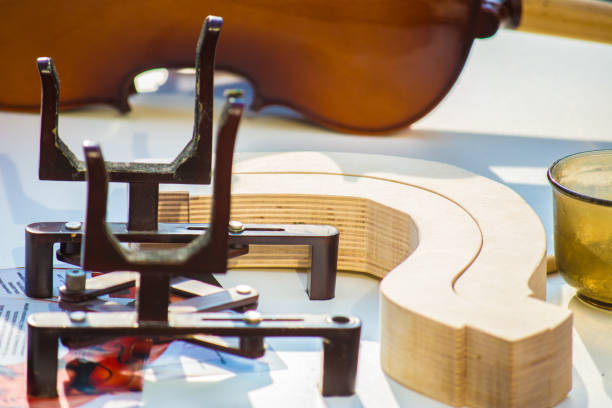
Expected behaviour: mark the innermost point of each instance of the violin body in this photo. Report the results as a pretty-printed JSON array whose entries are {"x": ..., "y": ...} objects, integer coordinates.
[
  {"x": 353, "y": 65},
  {"x": 350, "y": 65}
]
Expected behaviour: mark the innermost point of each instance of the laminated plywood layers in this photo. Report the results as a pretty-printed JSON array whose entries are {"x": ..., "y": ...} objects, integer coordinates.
[{"x": 462, "y": 260}]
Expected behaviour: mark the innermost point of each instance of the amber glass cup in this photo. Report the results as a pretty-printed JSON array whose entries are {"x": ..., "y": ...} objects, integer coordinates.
[{"x": 582, "y": 205}]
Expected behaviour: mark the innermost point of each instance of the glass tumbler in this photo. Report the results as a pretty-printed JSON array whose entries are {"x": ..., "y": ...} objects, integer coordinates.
[{"x": 582, "y": 208}]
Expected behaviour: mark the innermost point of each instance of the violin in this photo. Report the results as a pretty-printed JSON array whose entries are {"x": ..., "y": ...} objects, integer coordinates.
[{"x": 355, "y": 66}]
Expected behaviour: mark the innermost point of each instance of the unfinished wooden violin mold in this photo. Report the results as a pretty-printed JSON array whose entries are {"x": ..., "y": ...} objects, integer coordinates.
[{"x": 462, "y": 261}]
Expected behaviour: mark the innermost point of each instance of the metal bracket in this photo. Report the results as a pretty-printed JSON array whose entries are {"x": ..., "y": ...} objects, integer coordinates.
[
  {"x": 201, "y": 296},
  {"x": 340, "y": 334},
  {"x": 206, "y": 250},
  {"x": 323, "y": 240},
  {"x": 205, "y": 253},
  {"x": 192, "y": 165}
]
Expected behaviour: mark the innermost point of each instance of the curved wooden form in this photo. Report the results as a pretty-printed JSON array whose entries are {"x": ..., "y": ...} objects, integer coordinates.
[{"x": 462, "y": 260}]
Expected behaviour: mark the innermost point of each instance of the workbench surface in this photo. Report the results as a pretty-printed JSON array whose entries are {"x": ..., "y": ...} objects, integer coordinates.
[{"x": 521, "y": 102}]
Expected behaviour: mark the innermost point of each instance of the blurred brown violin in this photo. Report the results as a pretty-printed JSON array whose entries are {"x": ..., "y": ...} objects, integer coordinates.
[{"x": 352, "y": 65}]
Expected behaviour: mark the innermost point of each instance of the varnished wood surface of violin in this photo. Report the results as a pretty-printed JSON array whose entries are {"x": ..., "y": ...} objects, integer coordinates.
[
  {"x": 357, "y": 66},
  {"x": 324, "y": 59}
]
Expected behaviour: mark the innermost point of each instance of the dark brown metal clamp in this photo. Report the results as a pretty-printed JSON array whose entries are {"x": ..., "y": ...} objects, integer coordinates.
[
  {"x": 207, "y": 253},
  {"x": 191, "y": 166},
  {"x": 96, "y": 245}
]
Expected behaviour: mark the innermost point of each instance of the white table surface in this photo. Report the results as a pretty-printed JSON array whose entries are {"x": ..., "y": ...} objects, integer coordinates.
[{"x": 521, "y": 102}]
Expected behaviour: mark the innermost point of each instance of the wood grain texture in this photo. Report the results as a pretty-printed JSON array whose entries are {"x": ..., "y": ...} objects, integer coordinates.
[
  {"x": 174, "y": 207},
  {"x": 319, "y": 58},
  {"x": 462, "y": 312},
  {"x": 373, "y": 238},
  {"x": 581, "y": 19}
]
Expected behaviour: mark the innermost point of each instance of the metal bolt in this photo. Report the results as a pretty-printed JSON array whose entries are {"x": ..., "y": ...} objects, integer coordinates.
[
  {"x": 78, "y": 316},
  {"x": 73, "y": 225},
  {"x": 252, "y": 317},
  {"x": 75, "y": 280},
  {"x": 233, "y": 93},
  {"x": 243, "y": 289},
  {"x": 235, "y": 227}
]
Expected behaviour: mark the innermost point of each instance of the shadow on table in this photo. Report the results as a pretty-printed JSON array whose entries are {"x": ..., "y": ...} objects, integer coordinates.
[
  {"x": 594, "y": 326},
  {"x": 24, "y": 209},
  {"x": 401, "y": 393},
  {"x": 229, "y": 381},
  {"x": 578, "y": 397}
]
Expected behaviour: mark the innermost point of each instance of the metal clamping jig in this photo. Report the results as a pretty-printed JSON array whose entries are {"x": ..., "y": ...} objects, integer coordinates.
[
  {"x": 96, "y": 245},
  {"x": 207, "y": 253},
  {"x": 191, "y": 166}
]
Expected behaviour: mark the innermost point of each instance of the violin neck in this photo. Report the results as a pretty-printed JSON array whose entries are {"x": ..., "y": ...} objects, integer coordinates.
[{"x": 589, "y": 20}]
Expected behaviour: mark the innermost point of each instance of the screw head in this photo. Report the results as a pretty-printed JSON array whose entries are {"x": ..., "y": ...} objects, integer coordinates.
[
  {"x": 233, "y": 93},
  {"x": 235, "y": 227},
  {"x": 73, "y": 225},
  {"x": 243, "y": 289},
  {"x": 78, "y": 316},
  {"x": 252, "y": 317}
]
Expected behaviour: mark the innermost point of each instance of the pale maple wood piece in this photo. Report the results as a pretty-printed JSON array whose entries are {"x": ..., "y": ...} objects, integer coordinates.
[
  {"x": 173, "y": 207},
  {"x": 462, "y": 260},
  {"x": 373, "y": 238},
  {"x": 589, "y": 20}
]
